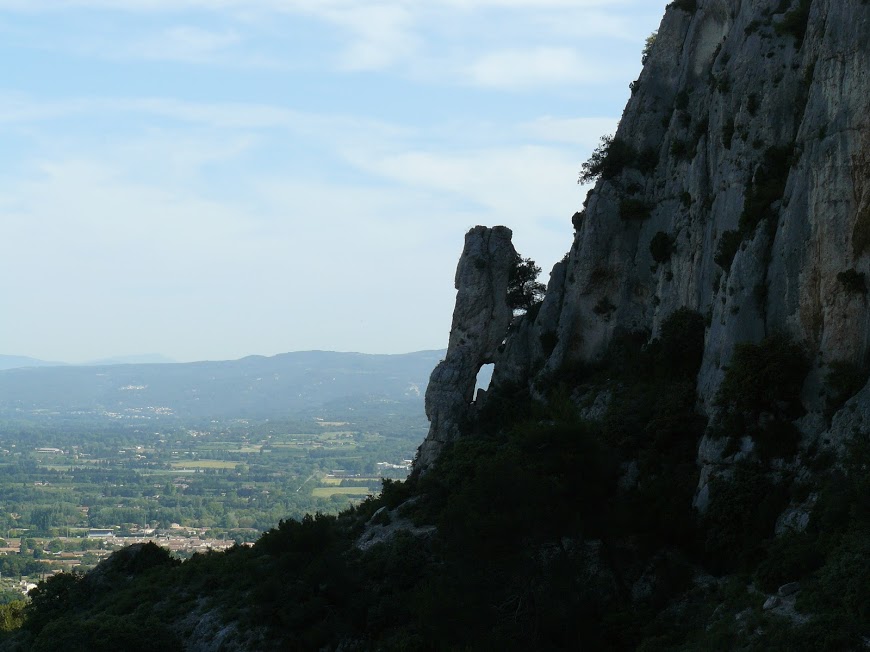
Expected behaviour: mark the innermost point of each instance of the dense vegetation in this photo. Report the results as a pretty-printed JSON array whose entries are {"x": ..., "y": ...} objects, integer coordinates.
[{"x": 559, "y": 523}]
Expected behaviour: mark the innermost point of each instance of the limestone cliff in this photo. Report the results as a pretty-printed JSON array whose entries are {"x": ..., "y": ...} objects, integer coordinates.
[
  {"x": 480, "y": 324},
  {"x": 737, "y": 184}
]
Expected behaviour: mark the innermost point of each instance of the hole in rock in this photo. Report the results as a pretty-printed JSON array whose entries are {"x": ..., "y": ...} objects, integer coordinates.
[{"x": 484, "y": 376}]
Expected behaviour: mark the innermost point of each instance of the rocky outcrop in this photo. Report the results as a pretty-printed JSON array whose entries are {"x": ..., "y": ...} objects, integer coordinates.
[
  {"x": 480, "y": 324},
  {"x": 746, "y": 146},
  {"x": 748, "y": 125}
]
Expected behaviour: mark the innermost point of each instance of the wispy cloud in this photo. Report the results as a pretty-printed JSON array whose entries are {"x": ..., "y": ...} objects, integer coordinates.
[
  {"x": 584, "y": 132},
  {"x": 525, "y": 68},
  {"x": 185, "y": 43},
  {"x": 290, "y": 5},
  {"x": 20, "y": 108},
  {"x": 379, "y": 34},
  {"x": 374, "y": 34},
  {"x": 267, "y": 174}
]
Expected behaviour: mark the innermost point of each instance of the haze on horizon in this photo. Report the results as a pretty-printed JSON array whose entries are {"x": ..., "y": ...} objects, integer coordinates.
[{"x": 210, "y": 180}]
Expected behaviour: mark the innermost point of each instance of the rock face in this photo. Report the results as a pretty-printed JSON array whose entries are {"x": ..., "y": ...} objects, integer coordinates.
[
  {"x": 480, "y": 324},
  {"x": 746, "y": 143},
  {"x": 747, "y": 127}
]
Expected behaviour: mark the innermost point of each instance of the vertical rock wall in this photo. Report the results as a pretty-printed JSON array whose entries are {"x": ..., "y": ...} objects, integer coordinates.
[
  {"x": 480, "y": 324},
  {"x": 750, "y": 121},
  {"x": 750, "y": 117}
]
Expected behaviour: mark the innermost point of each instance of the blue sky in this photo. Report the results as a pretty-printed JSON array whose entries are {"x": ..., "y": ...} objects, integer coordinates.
[{"x": 209, "y": 179}]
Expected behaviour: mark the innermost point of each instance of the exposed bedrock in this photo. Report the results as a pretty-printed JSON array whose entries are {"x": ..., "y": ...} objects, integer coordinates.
[
  {"x": 746, "y": 146},
  {"x": 480, "y": 324}
]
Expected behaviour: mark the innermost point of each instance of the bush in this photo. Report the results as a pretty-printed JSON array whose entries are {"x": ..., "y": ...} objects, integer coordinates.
[
  {"x": 137, "y": 559},
  {"x": 795, "y": 22},
  {"x": 647, "y": 47},
  {"x": 843, "y": 380},
  {"x": 686, "y": 199},
  {"x": 604, "y": 306},
  {"x": 661, "y": 247},
  {"x": 11, "y": 615},
  {"x": 610, "y": 158},
  {"x": 682, "y": 342},
  {"x": 765, "y": 377},
  {"x": 853, "y": 282},
  {"x": 681, "y": 101},
  {"x": 524, "y": 290},
  {"x": 549, "y": 340},
  {"x": 726, "y": 249},
  {"x": 752, "y": 104},
  {"x": 767, "y": 187},
  {"x": 689, "y": 6},
  {"x": 778, "y": 438},
  {"x": 682, "y": 150},
  {"x": 52, "y": 598},
  {"x": 741, "y": 517},
  {"x": 728, "y": 133},
  {"x": 105, "y": 634},
  {"x": 861, "y": 231},
  {"x": 647, "y": 160},
  {"x": 634, "y": 209},
  {"x": 789, "y": 558},
  {"x": 760, "y": 396},
  {"x": 843, "y": 584}
]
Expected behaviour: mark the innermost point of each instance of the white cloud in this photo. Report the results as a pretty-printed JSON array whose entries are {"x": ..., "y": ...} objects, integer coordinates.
[
  {"x": 505, "y": 184},
  {"x": 101, "y": 261},
  {"x": 584, "y": 132},
  {"x": 185, "y": 43},
  {"x": 524, "y": 68},
  {"x": 291, "y": 5},
  {"x": 19, "y": 108},
  {"x": 380, "y": 34}
]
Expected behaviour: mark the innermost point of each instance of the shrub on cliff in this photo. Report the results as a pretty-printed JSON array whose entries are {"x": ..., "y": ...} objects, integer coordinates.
[
  {"x": 760, "y": 396},
  {"x": 689, "y": 6},
  {"x": 766, "y": 188},
  {"x": 682, "y": 343},
  {"x": 726, "y": 249},
  {"x": 610, "y": 158},
  {"x": 853, "y": 282},
  {"x": 661, "y": 247},
  {"x": 765, "y": 377},
  {"x": 843, "y": 380},
  {"x": 524, "y": 290}
]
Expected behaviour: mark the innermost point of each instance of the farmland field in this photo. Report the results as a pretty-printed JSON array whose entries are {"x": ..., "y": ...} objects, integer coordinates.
[{"x": 327, "y": 492}]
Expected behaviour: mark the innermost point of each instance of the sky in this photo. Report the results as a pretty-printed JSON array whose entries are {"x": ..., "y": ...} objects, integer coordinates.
[{"x": 210, "y": 179}]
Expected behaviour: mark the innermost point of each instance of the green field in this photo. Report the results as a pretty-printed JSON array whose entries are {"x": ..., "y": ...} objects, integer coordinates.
[
  {"x": 205, "y": 464},
  {"x": 326, "y": 492}
]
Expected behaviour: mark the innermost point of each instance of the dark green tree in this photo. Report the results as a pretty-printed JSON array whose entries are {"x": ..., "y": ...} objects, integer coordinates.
[{"x": 524, "y": 290}]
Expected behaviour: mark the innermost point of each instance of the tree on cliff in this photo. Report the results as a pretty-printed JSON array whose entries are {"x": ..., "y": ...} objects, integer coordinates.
[{"x": 524, "y": 290}]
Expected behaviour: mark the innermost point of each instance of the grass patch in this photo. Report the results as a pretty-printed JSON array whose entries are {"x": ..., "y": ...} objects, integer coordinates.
[
  {"x": 205, "y": 464},
  {"x": 327, "y": 492}
]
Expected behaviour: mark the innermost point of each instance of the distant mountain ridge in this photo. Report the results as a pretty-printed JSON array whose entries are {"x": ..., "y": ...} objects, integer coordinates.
[
  {"x": 143, "y": 358},
  {"x": 19, "y": 361},
  {"x": 22, "y": 361},
  {"x": 252, "y": 387}
]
